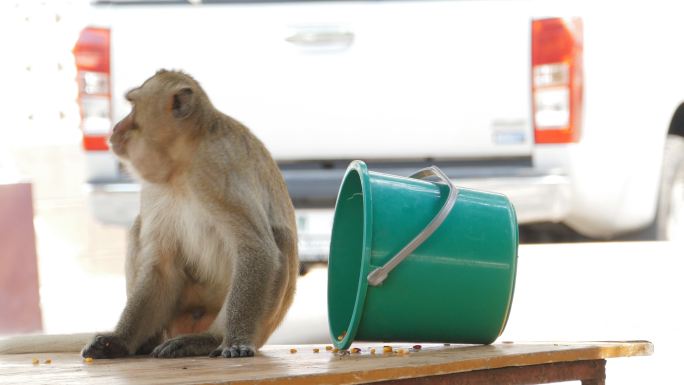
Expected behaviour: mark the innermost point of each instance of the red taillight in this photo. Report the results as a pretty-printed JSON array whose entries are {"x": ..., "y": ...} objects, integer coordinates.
[
  {"x": 92, "y": 50},
  {"x": 95, "y": 142},
  {"x": 557, "y": 79},
  {"x": 91, "y": 53}
]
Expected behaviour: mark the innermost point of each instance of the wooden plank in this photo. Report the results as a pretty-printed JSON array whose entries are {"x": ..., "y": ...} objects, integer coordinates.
[
  {"x": 277, "y": 364},
  {"x": 585, "y": 371}
]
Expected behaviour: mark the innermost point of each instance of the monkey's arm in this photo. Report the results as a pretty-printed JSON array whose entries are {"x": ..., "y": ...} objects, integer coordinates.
[{"x": 258, "y": 272}]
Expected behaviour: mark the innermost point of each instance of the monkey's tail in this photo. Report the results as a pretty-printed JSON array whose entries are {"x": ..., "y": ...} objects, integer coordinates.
[{"x": 44, "y": 343}]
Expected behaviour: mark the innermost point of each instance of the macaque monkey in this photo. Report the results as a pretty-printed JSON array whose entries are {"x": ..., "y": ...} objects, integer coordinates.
[{"x": 212, "y": 257}]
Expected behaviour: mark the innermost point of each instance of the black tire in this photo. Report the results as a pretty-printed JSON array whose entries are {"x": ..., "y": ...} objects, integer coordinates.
[
  {"x": 304, "y": 268},
  {"x": 669, "y": 221}
]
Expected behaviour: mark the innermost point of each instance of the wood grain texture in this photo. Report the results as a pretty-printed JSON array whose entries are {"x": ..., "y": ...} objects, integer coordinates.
[
  {"x": 589, "y": 372},
  {"x": 276, "y": 364}
]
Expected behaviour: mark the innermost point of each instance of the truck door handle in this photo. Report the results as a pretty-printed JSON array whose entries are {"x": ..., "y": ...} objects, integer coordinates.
[{"x": 322, "y": 38}]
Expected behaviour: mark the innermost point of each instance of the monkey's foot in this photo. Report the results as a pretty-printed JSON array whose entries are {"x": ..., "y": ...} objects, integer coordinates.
[
  {"x": 105, "y": 346},
  {"x": 186, "y": 346},
  {"x": 233, "y": 351},
  {"x": 149, "y": 346}
]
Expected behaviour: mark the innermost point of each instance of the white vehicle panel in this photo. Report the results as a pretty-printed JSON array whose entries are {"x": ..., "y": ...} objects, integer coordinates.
[
  {"x": 428, "y": 80},
  {"x": 424, "y": 79}
]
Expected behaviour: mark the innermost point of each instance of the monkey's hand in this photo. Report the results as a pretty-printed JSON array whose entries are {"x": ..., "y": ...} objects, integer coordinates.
[
  {"x": 231, "y": 350},
  {"x": 105, "y": 346}
]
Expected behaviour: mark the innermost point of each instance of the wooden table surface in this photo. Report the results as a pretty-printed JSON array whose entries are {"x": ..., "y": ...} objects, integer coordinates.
[{"x": 276, "y": 364}]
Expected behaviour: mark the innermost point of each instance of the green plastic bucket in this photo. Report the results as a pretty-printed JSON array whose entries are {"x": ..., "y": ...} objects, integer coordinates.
[{"x": 419, "y": 261}]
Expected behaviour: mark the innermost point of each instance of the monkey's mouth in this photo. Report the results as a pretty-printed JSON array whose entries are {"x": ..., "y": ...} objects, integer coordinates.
[{"x": 118, "y": 147}]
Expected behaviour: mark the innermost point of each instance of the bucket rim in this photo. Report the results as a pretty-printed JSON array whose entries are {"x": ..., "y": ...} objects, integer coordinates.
[{"x": 361, "y": 169}]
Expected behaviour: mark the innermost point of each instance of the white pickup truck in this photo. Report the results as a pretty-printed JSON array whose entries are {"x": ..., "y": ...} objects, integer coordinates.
[{"x": 574, "y": 110}]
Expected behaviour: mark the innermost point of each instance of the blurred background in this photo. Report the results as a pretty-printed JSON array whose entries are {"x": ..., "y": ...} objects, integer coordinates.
[
  {"x": 40, "y": 144},
  {"x": 63, "y": 241}
]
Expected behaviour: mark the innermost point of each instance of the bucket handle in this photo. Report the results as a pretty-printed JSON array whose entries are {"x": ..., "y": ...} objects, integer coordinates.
[{"x": 378, "y": 276}]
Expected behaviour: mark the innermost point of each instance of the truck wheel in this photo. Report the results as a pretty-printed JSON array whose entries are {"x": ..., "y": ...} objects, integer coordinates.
[
  {"x": 304, "y": 268},
  {"x": 669, "y": 220}
]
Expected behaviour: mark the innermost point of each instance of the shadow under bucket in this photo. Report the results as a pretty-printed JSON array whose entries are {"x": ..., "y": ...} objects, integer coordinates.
[{"x": 451, "y": 285}]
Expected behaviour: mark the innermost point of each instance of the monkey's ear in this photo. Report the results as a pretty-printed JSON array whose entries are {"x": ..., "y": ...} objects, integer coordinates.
[{"x": 182, "y": 104}]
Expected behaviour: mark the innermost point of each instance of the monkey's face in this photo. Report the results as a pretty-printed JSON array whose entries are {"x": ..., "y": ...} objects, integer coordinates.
[{"x": 152, "y": 137}]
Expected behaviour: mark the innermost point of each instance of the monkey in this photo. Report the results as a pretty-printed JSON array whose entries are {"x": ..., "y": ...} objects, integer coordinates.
[{"x": 212, "y": 263}]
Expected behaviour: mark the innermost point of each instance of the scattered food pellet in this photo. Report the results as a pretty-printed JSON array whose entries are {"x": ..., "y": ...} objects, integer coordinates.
[
  {"x": 356, "y": 350},
  {"x": 88, "y": 359},
  {"x": 372, "y": 351},
  {"x": 401, "y": 351},
  {"x": 328, "y": 348},
  {"x": 293, "y": 350},
  {"x": 315, "y": 350},
  {"x": 48, "y": 361},
  {"x": 341, "y": 336},
  {"x": 184, "y": 367},
  {"x": 417, "y": 347},
  {"x": 335, "y": 350},
  {"x": 35, "y": 361},
  {"x": 387, "y": 349}
]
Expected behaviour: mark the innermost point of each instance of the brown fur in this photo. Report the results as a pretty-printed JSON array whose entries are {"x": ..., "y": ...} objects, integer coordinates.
[{"x": 212, "y": 260}]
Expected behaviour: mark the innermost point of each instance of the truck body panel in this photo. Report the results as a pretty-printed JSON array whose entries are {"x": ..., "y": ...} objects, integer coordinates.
[{"x": 406, "y": 84}]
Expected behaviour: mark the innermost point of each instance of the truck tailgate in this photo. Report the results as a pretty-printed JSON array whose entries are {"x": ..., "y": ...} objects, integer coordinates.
[{"x": 330, "y": 80}]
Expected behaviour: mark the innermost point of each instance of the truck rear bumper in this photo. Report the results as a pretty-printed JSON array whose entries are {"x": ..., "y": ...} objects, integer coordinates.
[
  {"x": 537, "y": 197},
  {"x": 542, "y": 198}
]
